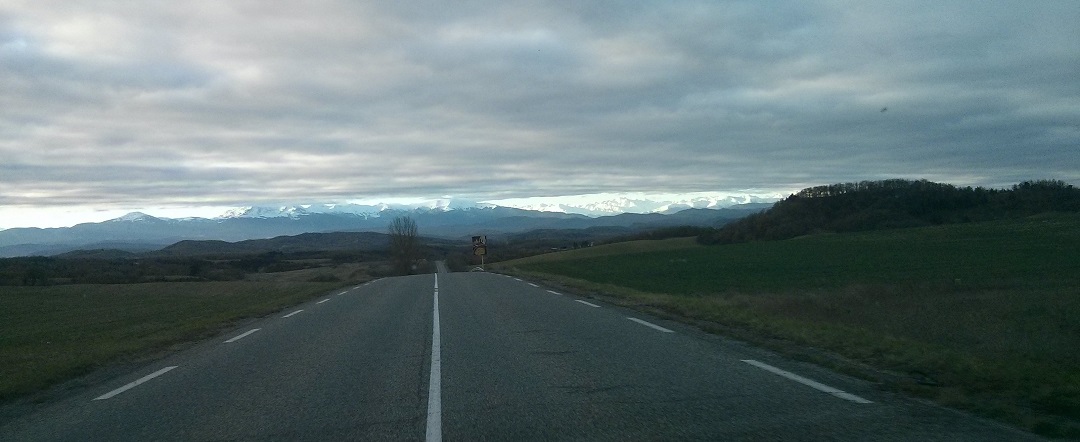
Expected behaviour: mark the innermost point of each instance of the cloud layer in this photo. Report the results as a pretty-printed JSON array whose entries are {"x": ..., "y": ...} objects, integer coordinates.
[{"x": 120, "y": 104}]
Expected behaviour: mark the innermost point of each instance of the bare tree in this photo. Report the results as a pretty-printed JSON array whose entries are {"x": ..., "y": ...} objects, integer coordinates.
[{"x": 404, "y": 244}]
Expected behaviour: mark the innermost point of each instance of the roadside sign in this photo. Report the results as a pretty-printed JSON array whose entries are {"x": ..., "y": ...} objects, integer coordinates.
[{"x": 479, "y": 245}]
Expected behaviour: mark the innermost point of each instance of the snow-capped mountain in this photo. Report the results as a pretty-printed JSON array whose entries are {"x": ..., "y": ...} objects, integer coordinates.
[
  {"x": 359, "y": 210},
  {"x": 265, "y": 212},
  {"x": 446, "y": 217},
  {"x": 607, "y": 204},
  {"x": 588, "y": 205},
  {"x": 135, "y": 217},
  {"x": 442, "y": 218}
]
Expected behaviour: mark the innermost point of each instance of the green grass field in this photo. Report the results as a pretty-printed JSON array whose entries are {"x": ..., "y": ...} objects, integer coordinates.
[
  {"x": 981, "y": 316},
  {"x": 1041, "y": 251},
  {"x": 51, "y": 334}
]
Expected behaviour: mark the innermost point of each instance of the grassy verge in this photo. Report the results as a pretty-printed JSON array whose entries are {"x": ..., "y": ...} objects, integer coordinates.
[
  {"x": 984, "y": 316},
  {"x": 51, "y": 334}
]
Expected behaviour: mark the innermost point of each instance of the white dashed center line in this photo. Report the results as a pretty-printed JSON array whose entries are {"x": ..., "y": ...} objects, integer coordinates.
[
  {"x": 810, "y": 383},
  {"x": 293, "y": 313},
  {"x": 650, "y": 325},
  {"x": 134, "y": 384},
  {"x": 434, "y": 405},
  {"x": 588, "y": 304},
  {"x": 242, "y": 336}
]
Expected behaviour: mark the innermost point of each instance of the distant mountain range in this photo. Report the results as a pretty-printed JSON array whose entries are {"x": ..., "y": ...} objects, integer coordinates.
[
  {"x": 607, "y": 205},
  {"x": 588, "y": 205},
  {"x": 359, "y": 210},
  {"x": 305, "y": 242},
  {"x": 448, "y": 219}
]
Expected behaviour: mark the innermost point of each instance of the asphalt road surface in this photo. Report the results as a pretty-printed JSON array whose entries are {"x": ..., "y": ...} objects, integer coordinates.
[{"x": 481, "y": 356}]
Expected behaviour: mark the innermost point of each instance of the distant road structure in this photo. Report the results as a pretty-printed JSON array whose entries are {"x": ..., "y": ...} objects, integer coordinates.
[{"x": 440, "y": 267}]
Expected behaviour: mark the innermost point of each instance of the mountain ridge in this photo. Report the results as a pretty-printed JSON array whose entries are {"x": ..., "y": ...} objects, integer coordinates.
[{"x": 138, "y": 230}]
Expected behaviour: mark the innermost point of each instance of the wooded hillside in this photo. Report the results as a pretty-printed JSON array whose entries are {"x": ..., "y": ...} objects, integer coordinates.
[{"x": 873, "y": 205}]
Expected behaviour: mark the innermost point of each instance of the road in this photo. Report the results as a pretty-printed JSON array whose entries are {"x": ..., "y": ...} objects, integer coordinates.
[{"x": 481, "y": 356}]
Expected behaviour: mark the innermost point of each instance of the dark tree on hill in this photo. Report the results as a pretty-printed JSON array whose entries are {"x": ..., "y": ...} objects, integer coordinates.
[
  {"x": 404, "y": 244},
  {"x": 874, "y": 205}
]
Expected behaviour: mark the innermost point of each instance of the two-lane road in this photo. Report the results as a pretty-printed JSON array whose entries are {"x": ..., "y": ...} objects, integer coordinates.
[{"x": 511, "y": 361}]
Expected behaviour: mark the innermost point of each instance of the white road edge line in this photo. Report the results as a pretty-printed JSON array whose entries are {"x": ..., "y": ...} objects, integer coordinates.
[
  {"x": 293, "y": 313},
  {"x": 242, "y": 336},
  {"x": 591, "y": 304},
  {"x": 134, "y": 384},
  {"x": 554, "y": 292},
  {"x": 649, "y": 324},
  {"x": 434, "y": 402},
  {"x": 810, "y": 383}
]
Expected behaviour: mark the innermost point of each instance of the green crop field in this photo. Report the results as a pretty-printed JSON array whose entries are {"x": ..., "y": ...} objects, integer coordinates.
[
  {"x": 1037, "y": 251},
  {"x": 982, "y": 316},
  {"x": 50, "y": 334}
]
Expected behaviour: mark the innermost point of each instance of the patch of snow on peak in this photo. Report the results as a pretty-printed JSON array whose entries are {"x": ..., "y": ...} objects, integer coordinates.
[
  {"x": 365, "y": 210},
  {"x": 544, "y": 207},
  {"x": 606, "y": 204},
  {"x": 445, "y": 205},
  {"x": 135, "y": 216},
  {"x": 345, "y": 209},
  {"x": 266, "y": 212},
  {"x": 235, "y": 213}
]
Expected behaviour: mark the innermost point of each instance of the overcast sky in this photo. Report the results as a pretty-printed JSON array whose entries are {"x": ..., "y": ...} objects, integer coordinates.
[{"x": 111, "y": 105}]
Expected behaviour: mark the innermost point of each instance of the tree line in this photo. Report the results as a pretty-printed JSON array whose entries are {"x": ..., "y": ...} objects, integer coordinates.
[
  {"x": 662, "y": 233},
  {"x": 40, "y": 270},
  {"x": 86, "y": 268},
  {"x": 874, "y": 205}
]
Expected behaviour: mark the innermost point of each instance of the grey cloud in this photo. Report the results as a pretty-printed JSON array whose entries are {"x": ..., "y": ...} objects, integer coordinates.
[{"x": 229, "y": 102}]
